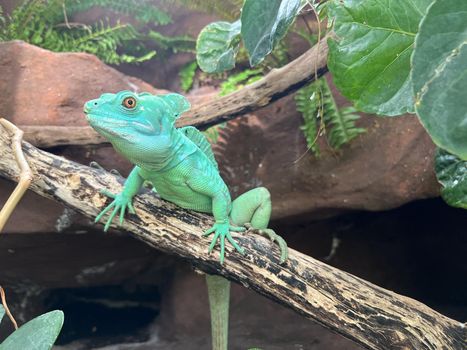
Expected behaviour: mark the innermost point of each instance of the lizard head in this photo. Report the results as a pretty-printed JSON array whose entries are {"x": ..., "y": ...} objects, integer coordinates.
[{"x": 135, "y": 122}]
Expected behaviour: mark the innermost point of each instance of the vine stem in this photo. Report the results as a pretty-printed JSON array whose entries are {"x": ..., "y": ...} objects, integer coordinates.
[
  {"x": 7, "y": 310},
  {"x": 25, "y": 176}
]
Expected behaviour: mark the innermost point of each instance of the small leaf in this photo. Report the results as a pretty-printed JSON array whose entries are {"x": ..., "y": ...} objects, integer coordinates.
[
  {"x": 264, "y": 23},
  {"x": 451, "y": 172},
  {"x": 217, "y": 46},
  {"x": 370, "y": 60},
  {"x": 440, "y": 75},
  {"x": 38, "y": 334}
]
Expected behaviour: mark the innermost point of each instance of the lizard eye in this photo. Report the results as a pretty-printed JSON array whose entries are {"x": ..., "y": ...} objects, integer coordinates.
[{"x": 129, "y": 102}]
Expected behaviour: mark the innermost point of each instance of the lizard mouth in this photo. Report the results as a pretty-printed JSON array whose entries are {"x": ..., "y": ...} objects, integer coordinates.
[{"x": 104, "y": 123}]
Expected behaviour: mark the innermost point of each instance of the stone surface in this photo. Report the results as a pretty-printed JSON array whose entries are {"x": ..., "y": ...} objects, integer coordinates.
[{"x": 40, "y": 87}]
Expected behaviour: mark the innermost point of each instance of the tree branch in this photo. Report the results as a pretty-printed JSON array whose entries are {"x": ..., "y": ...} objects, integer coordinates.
[{"x": 276, "y": 84}]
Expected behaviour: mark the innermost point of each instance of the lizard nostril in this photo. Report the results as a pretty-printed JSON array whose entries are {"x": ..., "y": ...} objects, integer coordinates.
[{"x": 95, "y": 103}]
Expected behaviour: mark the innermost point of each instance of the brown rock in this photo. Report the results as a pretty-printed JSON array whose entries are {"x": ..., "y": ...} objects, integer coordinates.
[{"x": 40, "y": 87}]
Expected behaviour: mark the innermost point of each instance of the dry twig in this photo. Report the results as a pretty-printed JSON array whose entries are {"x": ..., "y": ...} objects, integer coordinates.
[
  {"x": 25, "y": 175},
  {"x": 7, "y": 309}
]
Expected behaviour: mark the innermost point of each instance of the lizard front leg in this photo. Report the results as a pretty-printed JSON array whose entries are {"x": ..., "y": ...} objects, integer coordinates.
[
  {"x": 221, "y": 206},
  {"x": 123, "y": 200}
]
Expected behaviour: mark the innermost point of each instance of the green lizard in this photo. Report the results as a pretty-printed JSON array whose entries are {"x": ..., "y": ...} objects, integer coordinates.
[{"x": 181, "y": 166}]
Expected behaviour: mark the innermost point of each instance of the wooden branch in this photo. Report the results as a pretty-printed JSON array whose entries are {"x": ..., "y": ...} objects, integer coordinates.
[
  {"x": 276, "y": 84},
  {"x": 372, "y": 316},
  {"x": 47, "y": 136}
]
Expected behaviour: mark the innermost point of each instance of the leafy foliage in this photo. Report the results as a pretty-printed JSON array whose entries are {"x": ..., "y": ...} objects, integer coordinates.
[
  {"x": 370, "y": 60},
  {"x": 217, "y": 46},
  {"x": 37, "y": 334},
  {"x": 187, "y": 74},
  {"x": 451, "y": 172},
  {"x": 238, "y": 80},
  {"x": 264, "y": 23},
  {"x": 180, "y": 43},
  {"x": 319, "y": 110},
  {"x": 226, "y": 9},
  {"x": 143, "y": 11},
  {"x": 307, "y": 104},
  {"x": 45, "y": 23},
  {"x": 439, "y": 75}
]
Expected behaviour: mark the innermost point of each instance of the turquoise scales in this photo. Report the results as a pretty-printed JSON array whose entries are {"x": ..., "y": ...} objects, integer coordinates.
[{"x": 181, "y": 166}]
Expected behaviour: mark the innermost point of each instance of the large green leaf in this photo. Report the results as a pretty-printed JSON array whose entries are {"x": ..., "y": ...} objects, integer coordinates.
[
  {"x": 370, "y": 59},
  {"x": 440, "y": 74},
  {"x": 264, "y": 23},
  {"x": 38, "y": 334},
  {"x": 452, "y": 174},
  {"x": 217, "y": 46}
]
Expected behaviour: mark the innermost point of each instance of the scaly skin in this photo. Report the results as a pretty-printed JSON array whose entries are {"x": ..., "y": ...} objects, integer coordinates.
[{"x": 141, "y": 128}]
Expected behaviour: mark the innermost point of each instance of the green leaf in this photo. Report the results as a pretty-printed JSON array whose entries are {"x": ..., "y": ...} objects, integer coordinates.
[
  {"x": 217, "y": 46},
  {"x": 187, "y": 75},
  {"x": 238, "y": 80},
  {"x": 38, "y": 334},
  {"x": 370, "y": 60},
  {"x": 440, "y": 75},
  {"x": 451, "y": 172},
  {"x": 264, "y": 23},
  {"x": 2, "y": 312}
]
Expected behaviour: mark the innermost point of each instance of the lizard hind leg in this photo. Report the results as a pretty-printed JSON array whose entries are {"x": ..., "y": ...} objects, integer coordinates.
[{"x": 253, "y": 210}]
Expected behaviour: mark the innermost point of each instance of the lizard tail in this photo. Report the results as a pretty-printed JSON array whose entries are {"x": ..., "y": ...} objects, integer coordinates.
[{"x": 219, "y": 295}]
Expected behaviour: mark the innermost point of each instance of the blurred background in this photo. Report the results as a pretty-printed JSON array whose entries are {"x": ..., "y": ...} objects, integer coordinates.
[{"x": 369, "y": 206}]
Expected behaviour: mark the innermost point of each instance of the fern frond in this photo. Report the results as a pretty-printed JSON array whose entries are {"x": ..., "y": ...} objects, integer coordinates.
[
  {"x": 104, "y": 40},
  {"x": 143, "y": 11},
  {"x": 181, "y": 43},
  {"x": 187, "y": 74},
  {"x": 340, "y": 122},
  {"x": 307, "y": 103},
  {"x": 226, "y": 9},
  {"x": 238, "y": 80},
  {"x": 315, "y": 100},
  {"x": 2, "y": 25}
]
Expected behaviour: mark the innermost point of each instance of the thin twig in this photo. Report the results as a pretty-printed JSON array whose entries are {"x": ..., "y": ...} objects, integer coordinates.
[
  {"x": 5, "y": 306},
  {"x": 25, "y": 176}
]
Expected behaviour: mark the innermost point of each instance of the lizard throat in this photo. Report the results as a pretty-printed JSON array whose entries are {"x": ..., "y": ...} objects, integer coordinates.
[{"x": 162, "y": 153}]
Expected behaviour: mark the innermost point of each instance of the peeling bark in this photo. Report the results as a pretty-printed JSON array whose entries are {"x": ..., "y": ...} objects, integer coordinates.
[
  {"x": 371, "y": 316},
  {"x": 276, "y": 84}
]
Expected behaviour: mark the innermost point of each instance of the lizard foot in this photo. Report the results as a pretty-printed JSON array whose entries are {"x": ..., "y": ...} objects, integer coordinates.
[
  {"x": 274, "y": 237},
  {"x": 221, "y": 232},
  {"x": 120, "y": 204}
]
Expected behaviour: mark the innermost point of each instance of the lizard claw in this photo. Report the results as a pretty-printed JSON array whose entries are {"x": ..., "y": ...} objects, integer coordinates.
[
  {"x": 274, "y": 237},
  {"x": 120, "y": 204},
  {"x": 221, "y": 232}
]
